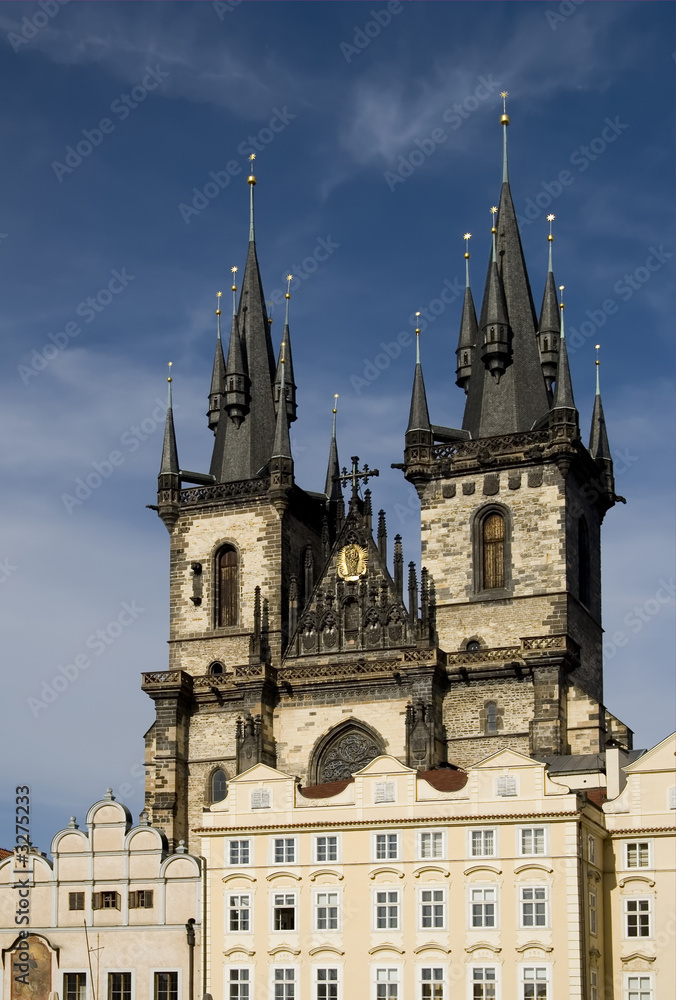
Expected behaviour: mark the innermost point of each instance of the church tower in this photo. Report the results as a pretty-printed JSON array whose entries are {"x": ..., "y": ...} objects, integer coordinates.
[{"x": 295, "y": 640}]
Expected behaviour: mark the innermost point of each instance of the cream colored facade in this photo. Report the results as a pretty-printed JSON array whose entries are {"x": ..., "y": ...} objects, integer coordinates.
[
  {"x": 392, "y": 888},
  {"x": 134, "y": 898}
]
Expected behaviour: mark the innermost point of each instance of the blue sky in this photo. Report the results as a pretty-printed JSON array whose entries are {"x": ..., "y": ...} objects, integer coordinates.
[{"x": 379, "y": 147}]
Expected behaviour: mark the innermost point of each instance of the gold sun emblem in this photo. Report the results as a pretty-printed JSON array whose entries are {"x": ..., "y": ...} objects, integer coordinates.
[{"x": 352, "y": 563}]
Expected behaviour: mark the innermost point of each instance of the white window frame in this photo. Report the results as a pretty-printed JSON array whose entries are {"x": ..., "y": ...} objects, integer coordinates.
[
  {"x": 420, "y": 982},
  {"x": 326, "y": 966},
  {"x": 470, "y": 977},
  {"x": 591, "y": 848},
  {"x": 399, "y": 905},
  {"x": 395, "y": 967},
  {"x": 325, "y": 891},
  {"x": 274, "y": 967},
  {"x": 535, "y": 965},
  {"x": 625, "y": 918},
  {"x": 239, "y": 864},
  {"x": 482, "y": 830},
  {"x": 520, "y": 830},
  {"x": 273, "y": 849},
  {"x": 283, "y": 892},
  {"x": 386, "y": 833},
  {"x": 510, "y": 780},
  {"x": 441, "y": 834},
  {"x": 384, "y": 792},
  {"x": 131, "y": 972},
  {"x": 238, "y": 892},
  {"x": 470, "y": 902},
  {"x": 638, "y": 975},
  {"x": 166, "y": 968},
  {"x": 524, "y": 887},
  {"x": 444, "y": 905},
  {"x": 593, "y": 901},
  {"x": 237, "y": 967},
  {"x": 316, "y": 860},
  {"x": 75, "y": 972},
  {"x": 625, "y": 855}
]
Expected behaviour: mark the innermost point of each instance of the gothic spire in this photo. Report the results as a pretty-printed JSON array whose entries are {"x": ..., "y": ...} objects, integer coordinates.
[
  {"x": 332, "y": 488},
  {"x": 169, "y": 464},
  {"x": 288, "y": 366},
  {"x": 242, "y": 450},
  {"x": 563, "y": 394},
  {"x": 217, "y": 373},
  {"x": 419, "y": 418},
  {"x": 281, "y": 461},
  {"x": 549, "y": 327},
  {"x": 518, "y": 399},
  {"x": 468, "y": 329},
  {"x": 282, "y": 443},
  {"x": 598, "y": 439}
]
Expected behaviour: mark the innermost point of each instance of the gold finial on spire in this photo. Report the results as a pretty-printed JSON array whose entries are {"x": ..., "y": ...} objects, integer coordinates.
[
  {"x": 504, "y": 117},
  {"x": 271, "y": 306},
  {"x": 597, "y": 364},
  {"x": 218, "y": 303},
  {"x": 561, "y": 305},
  {"x": 550, "y": 219},
  {"x": 289, "y": 279},
  {"x": 251, "y": 179},
  {"x": 494, "y": 209},
  {"x": 417, "y": 338},
  {"x": 233, "y": 287},
  {"x": 335, "y": 402},
  {"x": 169, "y": 378},
  {"x": 467, "y": 237}
]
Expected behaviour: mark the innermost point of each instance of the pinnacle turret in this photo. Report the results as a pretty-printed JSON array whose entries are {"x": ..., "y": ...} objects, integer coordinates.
[
  {"x": 237, "y": 382},
  {"x": 563, "y": 393},
  {"x": 599, "y": 447},
  {"x": 288, "y": 366},
  {"x": 549, "y": 327},
  {"x": 217, "y": 374},
  {"x": 169, "y": 479},
  {"x": 468, "y": 330},
  {"x": 419, "y": 418}
]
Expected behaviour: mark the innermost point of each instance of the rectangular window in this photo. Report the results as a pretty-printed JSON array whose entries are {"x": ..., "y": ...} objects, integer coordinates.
[
  {"x": 505, "y": 785},
  {"x": 482, "y": 907},
  {"x": 239, "y": 911},
  {"x": 639, "y": 988},
  {"x": 387, "y": 846},
  {"x": 284, "y": 982},
  {"x": 593, "y": 913},
  {"x": 284, "y": 911},
  {"x": 387, "y": 984},
  {"x": 431, "y": 844},
  {"x": 75, "y": 986},
  {"x": 284, "y": 850},
  {"x": 260, "y": 799},
  {"x": 591, "y": 849},
  {"x": 141, "y": 899},
  {"x": 637, "y": 915},
  {"x": 534, "y": 906},
  {"x": 532, "y": 840},
  {"x": 484, "y": 982},
  {"x": 387, "y": 909},
  {"x": 239, "y": 852},
  {"x": 119, "y": 986},
  {"x": 105, "y": 900},
  {"x": 432, "y": 908},
  {"x": 166, "y": 986},
  {"x": 76, "y": 900},
  {"x": 326, "y": 984},
  {"x": 593, "y": 985},
  {"x": 432, "y": 984},
  {"x": 535, "y": 983},
  {"x": 482, "y": 843},
  {"x": 326, "y": 911},
  {"x": 637, "y": 854},
  {"x": 384, "y": 791},
  {"x": 239, "y": 984},
  {"x": 326, "y": 848}
]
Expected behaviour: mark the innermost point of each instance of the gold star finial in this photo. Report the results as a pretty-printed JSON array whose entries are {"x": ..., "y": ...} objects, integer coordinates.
[
  {"x": 169, "y": 378},
  {"x": 218, "y": 303},
  {"x": 252, "y": 157},
  {"x": 467, "y": 237},
  {"x": 504, "y": 118},
  {"x": 335, "y": 402},
  {"x": 417, "y": 328},
  {"x": 494, "y": 209},
  {"x": 251, "y": 179},
  {"x": 550, "y": 219},
  {"x": 289, "y": 279}
]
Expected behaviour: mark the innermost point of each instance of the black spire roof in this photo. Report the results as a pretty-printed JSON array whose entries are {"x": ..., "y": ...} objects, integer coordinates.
[
  {"x": 169, "y": 464},
  {"x": 563, "y": 393},
  {"x": 332, "y": 488},
  {"x": 419, "y": 417}
]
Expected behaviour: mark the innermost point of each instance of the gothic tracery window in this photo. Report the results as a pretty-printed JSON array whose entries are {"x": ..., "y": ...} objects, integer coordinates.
[
  {"x": 493, "y": 551},
  {"x": 349, "y": 751},
  {"x": 227, "y": 584}
]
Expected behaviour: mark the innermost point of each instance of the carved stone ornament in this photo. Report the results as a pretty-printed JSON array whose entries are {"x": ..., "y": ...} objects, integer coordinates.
[
  {"x": 348, "y": 754},
  {"x": 352, "y": 562}
]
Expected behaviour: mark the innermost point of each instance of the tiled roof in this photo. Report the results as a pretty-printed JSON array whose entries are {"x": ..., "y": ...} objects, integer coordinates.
[
  {"x": 4, "y": 854},
  {"x": 445, "y": 779},
  {"x": 326, "y": 790},
  {"x": 597, "y": 795}
]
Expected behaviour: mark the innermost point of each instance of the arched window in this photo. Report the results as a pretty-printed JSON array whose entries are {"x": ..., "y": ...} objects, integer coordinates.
[
  {"x": 227, "y": 577},
  {"x": 344, "y": 750},
  {"x": 216, "y": 669},
  {"x": 218, "y": 785},
  {"x": 491, "y": 717},
  {"x": 493, "y": 551},
  {"x": 583, "y": 569}
]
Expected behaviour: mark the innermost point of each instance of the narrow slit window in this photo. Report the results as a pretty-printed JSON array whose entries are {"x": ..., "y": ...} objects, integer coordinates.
[
  {"x": 218, "y": 785},
  {"x": 228, "y": 585},
  {"x": 493, "y": 531}
]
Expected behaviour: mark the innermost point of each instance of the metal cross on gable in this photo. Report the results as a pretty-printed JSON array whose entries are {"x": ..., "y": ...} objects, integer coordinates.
[{"x": 354, "y": 475}]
